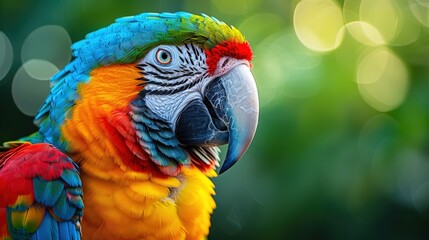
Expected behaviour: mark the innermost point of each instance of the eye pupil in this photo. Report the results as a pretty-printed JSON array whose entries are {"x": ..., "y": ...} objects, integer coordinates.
[{"x": 164, "y": 55}]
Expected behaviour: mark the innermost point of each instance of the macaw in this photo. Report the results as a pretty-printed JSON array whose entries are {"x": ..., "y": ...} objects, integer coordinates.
[{"x": 130, "y": 132}]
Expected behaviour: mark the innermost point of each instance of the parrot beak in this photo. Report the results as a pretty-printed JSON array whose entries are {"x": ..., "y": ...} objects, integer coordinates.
[{"x": 228, "y": 113}]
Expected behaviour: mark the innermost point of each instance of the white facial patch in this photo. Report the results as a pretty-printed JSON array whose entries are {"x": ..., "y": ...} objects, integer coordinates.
[{"x": 173, "y": 76}]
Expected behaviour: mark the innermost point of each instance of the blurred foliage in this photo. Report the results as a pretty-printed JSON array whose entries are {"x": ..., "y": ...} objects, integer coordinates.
[{"x": 342, "y": 147}]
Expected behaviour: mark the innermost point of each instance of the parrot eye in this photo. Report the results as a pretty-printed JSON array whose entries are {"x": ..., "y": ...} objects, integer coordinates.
[{"x": 163, "y": 56}]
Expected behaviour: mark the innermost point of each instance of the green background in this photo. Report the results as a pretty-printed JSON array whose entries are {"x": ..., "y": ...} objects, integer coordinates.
[{"x": 326, "y": 162}]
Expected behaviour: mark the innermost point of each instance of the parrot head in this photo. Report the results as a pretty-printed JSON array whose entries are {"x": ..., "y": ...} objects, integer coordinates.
[{"x": 190, "y": 88}]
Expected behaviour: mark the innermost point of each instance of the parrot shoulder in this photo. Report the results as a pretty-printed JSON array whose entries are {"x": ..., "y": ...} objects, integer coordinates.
[{"x": 41, "y": 193}]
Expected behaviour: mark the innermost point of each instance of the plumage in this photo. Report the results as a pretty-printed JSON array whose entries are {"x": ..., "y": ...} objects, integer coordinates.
[
  {"x": 130, "y": 131},
  {"x": 47, "y": 193},
  {"x": 33, "y": 178}
]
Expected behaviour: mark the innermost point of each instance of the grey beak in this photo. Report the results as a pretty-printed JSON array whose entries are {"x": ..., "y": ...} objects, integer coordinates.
[{"x": 227, "y": 114}]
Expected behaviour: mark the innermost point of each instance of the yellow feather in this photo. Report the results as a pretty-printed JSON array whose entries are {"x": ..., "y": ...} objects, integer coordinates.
[
  {"x": 150, "y": 189},
  {"x": 138, "y": 176},
  {"x": 25, "y": 200},
  {"x": 166, "y": 182},
  {"x": 29, "y": 219},
  {"x": 130, "y": 207}
]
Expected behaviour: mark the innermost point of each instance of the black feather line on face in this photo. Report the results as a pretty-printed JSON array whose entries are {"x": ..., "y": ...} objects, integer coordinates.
[
  {"x": 171, "y": 81},
  {"x": 144, "y": 92},
  {"x": 168, "y": 82},
  {"x": 158, "y": 69}
]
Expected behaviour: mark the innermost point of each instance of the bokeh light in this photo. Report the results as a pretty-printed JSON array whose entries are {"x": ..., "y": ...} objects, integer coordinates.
[
  {"x": 50, "y": 43},
  {"x": 40, "y": 69},
  {"x": 408, "y": 27},
  {"x": 384, "y": 15},
  {"x": 382, "y": 78},
  {"x": 28, "y": 92},
  {"x": 365, "y": 33},
  {"x": 351, "y": 10},
  {"x": 420, "y": 10},
  {"x": 395, "y": 23},
  {"x": 318, "y": 24},
  {"x": 6, "y": 55}
]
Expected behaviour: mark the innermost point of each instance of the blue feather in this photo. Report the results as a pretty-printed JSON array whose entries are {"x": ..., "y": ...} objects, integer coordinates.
[
  {"x": 62, "y": 209},
  {"x": 164, "y": 133},
  {"x": 75, "y": 191},
  {"x": 71, "y": 178},
  {"x": 48, "y": 230},
  {"x": 47, "y": 193},
  {"x": 171, "y": 142},
  {"x": 68, "y": 231},
  {"x": 175, "y": 153},
  {"x": 76, "y": 201},
  {"x": 155, "y": 136},
  {"x": 144, "y": 135}
]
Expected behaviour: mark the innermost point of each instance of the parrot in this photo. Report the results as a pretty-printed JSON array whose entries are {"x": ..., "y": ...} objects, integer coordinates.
[{"x": 128, "y": 137}]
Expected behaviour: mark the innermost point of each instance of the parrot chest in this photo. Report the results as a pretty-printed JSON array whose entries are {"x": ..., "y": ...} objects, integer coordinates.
[
  {"x": 150, "y": 208},
  {"x": 121, "y": 203}
]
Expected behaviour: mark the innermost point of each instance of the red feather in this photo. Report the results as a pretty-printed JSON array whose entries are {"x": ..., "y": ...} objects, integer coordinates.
[
  {"x": 238, "y": 50},
  {"x": 120, "y": 129},
  {"x": 20, "y": 165}
]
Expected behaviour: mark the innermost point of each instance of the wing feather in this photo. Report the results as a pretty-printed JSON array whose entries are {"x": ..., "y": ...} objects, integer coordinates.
[{"x": 41, "y": 194}]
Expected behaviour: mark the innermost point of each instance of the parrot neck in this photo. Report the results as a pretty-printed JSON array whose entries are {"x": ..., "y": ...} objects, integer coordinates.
[{"x": 158, "y": 139}]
